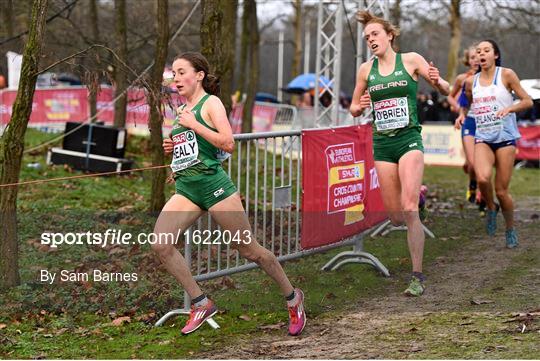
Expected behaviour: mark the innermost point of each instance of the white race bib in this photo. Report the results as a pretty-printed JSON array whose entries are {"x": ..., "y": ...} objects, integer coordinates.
[
  {"x": 391, "y": 113},
  {"x": 485, "y": 118},
  {"x": 185, "y": 151}
]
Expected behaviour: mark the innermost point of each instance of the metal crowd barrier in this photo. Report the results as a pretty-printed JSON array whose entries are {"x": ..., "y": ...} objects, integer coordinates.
[{"x": 266, "y": 168}]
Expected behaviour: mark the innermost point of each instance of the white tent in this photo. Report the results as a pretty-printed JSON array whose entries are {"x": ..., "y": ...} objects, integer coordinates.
[
  {"x": 14, "y": 63},
  {"x": 532, "y": 87}
]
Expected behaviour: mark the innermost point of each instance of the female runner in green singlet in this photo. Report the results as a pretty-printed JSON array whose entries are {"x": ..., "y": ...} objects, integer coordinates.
[
  {"x": 199, "y": 132},
  {"x": 388, "y": 84}
]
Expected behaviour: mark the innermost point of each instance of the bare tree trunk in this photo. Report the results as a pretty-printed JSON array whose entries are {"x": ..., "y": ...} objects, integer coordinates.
[
  {"x": 244, "y": 47},
  {"x": 93, "y": 88},
  {"x": 297, "y": 23},
  {"x": 218, "y": 29},
  {"x": 7, "y": 17},
  {"x": 396, "y": 20},
  {"x": 157, "y": 199},
  {"x": 12, "y": 146},
  {"x": 120, "y": 75},
  {"x": 228, "y": 37},
  {"x": 247, "y": 116},
  {"x": 455, "y": 40}
]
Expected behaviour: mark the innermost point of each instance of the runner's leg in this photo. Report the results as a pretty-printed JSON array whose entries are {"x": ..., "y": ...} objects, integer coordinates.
[
  {"x": 177, "y": 214},
  {"x": 411, "y": 172}
]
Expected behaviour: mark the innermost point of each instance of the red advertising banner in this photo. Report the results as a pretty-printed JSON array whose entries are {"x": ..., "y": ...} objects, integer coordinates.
[
  {"x": 263, "y": 118},
  {"x": 528, "y": 146},
  {"x": 50, "y": 105},
  {"x": 341, "y": 194},
  {"x": 60, "y": 105}
]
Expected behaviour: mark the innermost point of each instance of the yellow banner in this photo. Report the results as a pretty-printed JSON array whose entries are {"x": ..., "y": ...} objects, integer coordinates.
[{"x": 442, "y": 145}]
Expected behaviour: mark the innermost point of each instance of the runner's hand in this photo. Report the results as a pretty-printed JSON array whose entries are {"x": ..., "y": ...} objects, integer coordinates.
[
  {"x": 356, "y": 109},
  {"x": 168, "y": 145},
  {"x": 459, "y": 121},
  {"x": 502, "y": 113},
  {"x": 433, "y": 73},
  {"x": 187, "y": 119},
  {"x": 365, "y": 100},
  {"x": 170, "y": 179}
]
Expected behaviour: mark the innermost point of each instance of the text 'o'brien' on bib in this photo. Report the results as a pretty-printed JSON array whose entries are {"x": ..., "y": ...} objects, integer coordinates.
[
  {"x": 391, "y": 113},
  {"x": 485, "y": 110},
  {"x": 185, "y": 151}
]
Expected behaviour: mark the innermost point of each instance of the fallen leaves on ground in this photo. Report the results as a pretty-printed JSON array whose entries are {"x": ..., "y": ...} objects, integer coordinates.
[
  {"x": 121, "y": 320},
  {"x": 478, "y": 301},
  {"x": 276, "y": 326},
  {"x": 244, "y": 317}
]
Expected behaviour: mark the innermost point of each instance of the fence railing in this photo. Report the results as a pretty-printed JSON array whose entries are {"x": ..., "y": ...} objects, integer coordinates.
[{"x": 266, "y": 168}]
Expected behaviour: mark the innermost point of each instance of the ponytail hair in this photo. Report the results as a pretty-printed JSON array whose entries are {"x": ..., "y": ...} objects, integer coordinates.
[
  {"x": 365, "y": 17},
  {"x": 210, "y": 82}
]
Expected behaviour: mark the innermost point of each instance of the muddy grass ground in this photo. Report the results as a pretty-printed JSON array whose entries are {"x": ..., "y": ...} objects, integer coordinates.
[{"x": 482, "y": 301}]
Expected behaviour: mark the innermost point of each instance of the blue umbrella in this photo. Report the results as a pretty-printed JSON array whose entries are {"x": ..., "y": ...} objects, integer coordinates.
[
  {"x": 305, "y": 82},
  {"x": 266, "y": 97}
]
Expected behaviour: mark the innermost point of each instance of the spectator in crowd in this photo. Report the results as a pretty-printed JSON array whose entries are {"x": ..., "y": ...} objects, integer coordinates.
[
  {"x": 2, "y": 81},
  {"x": 444, "y": 114}
]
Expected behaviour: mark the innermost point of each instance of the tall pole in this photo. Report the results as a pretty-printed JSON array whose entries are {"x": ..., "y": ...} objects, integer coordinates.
[
  {"x": 307, "y": 44},
  {"x": 280, "y": 67}
]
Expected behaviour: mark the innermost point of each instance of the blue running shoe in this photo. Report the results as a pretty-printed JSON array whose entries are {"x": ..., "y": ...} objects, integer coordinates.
[
  {"x": 511, "y": 238},
  {"x": 491, "y": 220}
]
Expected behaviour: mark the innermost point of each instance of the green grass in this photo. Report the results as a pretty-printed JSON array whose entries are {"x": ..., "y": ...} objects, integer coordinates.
[
  {"x": 456, "y": 335},
  {"x": 73, "y": 320}
]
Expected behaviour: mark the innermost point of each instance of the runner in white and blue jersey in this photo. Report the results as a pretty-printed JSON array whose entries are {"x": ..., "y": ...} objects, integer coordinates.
[{"x": 490, "y": 94}]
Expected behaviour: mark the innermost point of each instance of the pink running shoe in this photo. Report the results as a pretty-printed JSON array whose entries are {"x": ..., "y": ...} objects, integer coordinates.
[
  {"x": 198, "y": 316},
  {"x": 297, "y": 315}
]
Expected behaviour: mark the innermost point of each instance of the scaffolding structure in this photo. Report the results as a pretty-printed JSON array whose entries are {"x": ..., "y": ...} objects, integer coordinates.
[{"x": 329, "y": 48}]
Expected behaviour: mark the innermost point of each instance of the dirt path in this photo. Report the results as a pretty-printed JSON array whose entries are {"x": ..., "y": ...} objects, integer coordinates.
[{"x": 381, "y": 327}]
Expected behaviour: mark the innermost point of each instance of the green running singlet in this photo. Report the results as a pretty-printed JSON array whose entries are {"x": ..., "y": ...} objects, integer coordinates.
[
  {"x": 196, "y": 164},
  {"x": 192, "y": 154},
  {"x": 395, "y": 125}
]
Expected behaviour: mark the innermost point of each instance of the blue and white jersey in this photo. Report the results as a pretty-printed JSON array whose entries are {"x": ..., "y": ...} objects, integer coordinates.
[{"x": 487, "y": 101}]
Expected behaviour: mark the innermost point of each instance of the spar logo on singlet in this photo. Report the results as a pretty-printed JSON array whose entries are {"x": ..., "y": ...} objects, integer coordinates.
[
  {"x": 391, "y": 113},
  {"x": 185, "y": 151}
]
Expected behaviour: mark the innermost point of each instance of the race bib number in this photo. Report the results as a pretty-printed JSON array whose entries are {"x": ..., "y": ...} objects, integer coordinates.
[
  {"x": 486, "y": 120},
  {"x": 391, "y": 113},
  {"x": 185, "y": 151}
]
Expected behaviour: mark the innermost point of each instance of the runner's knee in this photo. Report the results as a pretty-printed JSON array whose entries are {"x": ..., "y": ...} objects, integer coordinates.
[
  {"x": 501, "y": 193},
  {"x": 163, "y": 250},
  {"x": 396, "y": 219},
  {"x": 482, "y": 179},
  {"x": 259, "y": 255}
]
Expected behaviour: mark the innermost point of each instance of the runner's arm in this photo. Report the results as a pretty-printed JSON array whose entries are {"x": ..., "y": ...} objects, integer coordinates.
[
  {"x": 223, "y": 138},
  {"x": 525, "y": 102},
  {"x": 358, "y": 104},
  {"x": 464, "y": 110},
  {"x": 431, "y": 74},
  {"x": 454, "y": 93}
]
